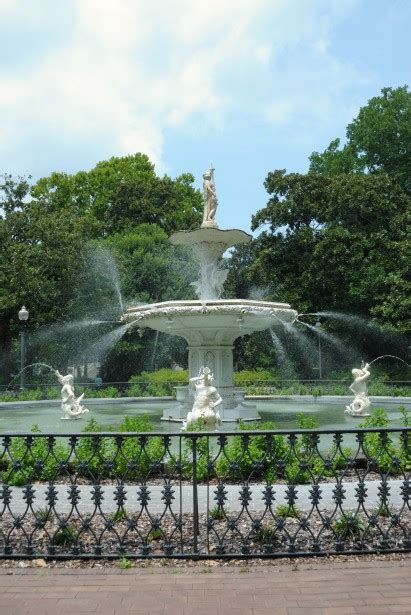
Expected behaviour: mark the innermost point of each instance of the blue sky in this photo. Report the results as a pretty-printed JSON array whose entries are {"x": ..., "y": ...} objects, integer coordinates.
[{"x": 254, "y": 85}]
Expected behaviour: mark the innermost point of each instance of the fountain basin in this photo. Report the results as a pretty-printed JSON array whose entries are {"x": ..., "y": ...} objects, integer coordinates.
[
  {"x": 210, "y": 328},
  {"x": 211, "y": 321}
]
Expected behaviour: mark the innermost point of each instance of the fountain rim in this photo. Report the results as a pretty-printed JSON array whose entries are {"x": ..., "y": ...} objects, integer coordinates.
[{"x": 201, "y": 303}]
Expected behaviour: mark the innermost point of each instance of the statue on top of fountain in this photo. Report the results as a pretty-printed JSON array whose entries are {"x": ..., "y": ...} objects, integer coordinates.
[
  {"x": 210, "y": 199},
  {"x": 207, "y": 398},
  {"x": 361, "y": 403},
  {"x": 70, "y": 404}
]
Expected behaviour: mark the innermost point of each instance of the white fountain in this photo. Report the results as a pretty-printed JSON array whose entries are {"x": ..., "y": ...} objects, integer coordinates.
[{"x": 210, "y": 324}]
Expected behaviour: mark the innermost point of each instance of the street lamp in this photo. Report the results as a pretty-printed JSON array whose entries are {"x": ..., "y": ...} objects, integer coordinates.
[
  {"x": 23, "y": 317},
  {"x": 320, "y": 367}
]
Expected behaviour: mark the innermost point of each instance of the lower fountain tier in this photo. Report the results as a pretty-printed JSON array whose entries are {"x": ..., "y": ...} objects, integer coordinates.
[
  {"x": 211, "y": 323},
  {"x": 210, "y": 328}
]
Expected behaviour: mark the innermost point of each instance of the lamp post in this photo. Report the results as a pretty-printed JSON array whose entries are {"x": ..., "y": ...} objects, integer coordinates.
[
  {"x": 23, "y": 317},
  {"x": 320, "y": 367}
]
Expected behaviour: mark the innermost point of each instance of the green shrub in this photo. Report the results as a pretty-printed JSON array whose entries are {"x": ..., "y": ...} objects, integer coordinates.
[
  {"x": 124, "y": 563},
  {"x": 52, "y": 393},
  {"x": 378, "y": 447},
  {"x": 134, "y": 390},
  {"x": 119, "y": 516},
  {"x": 33, "y": 458},
  {"x": 256, "y": 375},
  {"x": 348, "y": 525},
  {"x": 217, "y": 513},
  {"x": 287, "y": 511},
  {"x": 250, "y": 457},
  {"x": 65, "y": 536}
]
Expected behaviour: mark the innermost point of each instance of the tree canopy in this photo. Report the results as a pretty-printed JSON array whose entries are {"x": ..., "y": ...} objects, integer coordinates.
[
  {"x": 53, "y": 233},
  {"x": 335, "y": 238}
]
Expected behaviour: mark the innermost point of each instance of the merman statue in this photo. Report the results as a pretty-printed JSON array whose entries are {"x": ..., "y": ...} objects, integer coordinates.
[
  {"x": 207, "y": 398},
  {"x": 70, "y": 404},
  {"x": 361, "y": 403}
]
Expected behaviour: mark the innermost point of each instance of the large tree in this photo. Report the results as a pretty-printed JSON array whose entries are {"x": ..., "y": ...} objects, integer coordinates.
[{"x": 335, "y": 238}]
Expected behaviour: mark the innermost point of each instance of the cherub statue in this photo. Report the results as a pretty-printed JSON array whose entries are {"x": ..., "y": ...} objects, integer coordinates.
[
  {"x": 361, "y": 403},
  {"x": 70, "y": 404},
  {"x": 210, "y": 199},
  {"x": 207, "y": 398}
]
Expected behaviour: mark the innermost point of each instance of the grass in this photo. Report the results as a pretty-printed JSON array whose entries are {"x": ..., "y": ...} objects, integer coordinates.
[
  {"x": 124, "y": 563},
  {"x": 65, "y": 536},
  {"x": 349, "y": 525},
  {"x": 216, "y": 513},
  {"x": 286, "y": 511}
]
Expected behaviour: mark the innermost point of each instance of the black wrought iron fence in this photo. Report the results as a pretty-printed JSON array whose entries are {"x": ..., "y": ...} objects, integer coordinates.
[{"x": 201, "y": 495}]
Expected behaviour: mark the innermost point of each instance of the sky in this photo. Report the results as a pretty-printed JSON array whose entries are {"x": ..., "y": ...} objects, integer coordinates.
[{"x": 253, "y": 85}]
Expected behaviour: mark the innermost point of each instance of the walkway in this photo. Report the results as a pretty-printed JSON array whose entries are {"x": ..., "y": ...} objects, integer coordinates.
[{"x": 326, "y": 587}]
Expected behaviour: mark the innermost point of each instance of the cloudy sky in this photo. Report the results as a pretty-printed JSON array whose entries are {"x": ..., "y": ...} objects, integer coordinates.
[{"x": 254, "y": 85}]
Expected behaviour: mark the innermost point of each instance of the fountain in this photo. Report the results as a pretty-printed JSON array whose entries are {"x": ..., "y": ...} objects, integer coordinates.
[{"x": 211, "y": 324}]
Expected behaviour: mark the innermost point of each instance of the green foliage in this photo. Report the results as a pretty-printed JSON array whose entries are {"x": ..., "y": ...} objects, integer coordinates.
[
  {"x": 349, "y": 525},
  {"x": 34, "y": 458},
  {"x": 379, "y": 448},
  {"x": 155, "y": 534},
  {"x": 124, "y": 563},
  {"x": 162, "y": 376},
  {"x": 217, "y": 513},
  {"x": 119, "y": 516},
  {"x": 44, "y": 515},
  {"x": 287, "y": 511},
  {"x": 250, "y": 457},
  {"x": 251, "y": 376},
  {"x": 65, "y": 537}
]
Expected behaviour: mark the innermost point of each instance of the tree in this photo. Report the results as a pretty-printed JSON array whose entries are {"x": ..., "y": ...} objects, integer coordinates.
[
  {"x": 40, "y": 255},
  {"x": 344, "y": 246},
  {"x": 378, "y": 139},
  {"x": 336, "y": 237},
  {"x": 121, "y": 192}
]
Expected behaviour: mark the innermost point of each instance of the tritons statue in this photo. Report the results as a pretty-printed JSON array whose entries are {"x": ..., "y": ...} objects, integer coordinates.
[
  {"x": 207, "y": 398},
  {"x": 361, "y": 403},
  {"x": 70, "y": 404},
  {"x": 210, "y": 199}
]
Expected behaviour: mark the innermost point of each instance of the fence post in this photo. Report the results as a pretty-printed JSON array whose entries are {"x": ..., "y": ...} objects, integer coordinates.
[{"x": 195, "y": 497}]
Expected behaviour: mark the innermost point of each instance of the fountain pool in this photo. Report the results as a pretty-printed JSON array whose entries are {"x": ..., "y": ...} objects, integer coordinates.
[{"x": 21, "y": 416}]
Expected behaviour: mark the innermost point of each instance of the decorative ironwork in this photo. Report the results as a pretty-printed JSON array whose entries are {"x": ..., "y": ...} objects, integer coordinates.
[{"x": 201, "y": 495}]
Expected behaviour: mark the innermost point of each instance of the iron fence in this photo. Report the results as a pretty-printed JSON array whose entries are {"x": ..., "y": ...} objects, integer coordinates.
[{"x": 239, "y": 494}]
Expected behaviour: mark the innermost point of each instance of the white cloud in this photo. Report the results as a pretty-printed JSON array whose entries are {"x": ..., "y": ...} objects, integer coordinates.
[{"x": 130, "y": 68}]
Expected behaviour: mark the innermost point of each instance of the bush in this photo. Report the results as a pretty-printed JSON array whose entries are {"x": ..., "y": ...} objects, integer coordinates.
[
  {"x": 34, "y": 458},
  {"x": 249, "y": 457},
  {"x": 378, "y": 447},
  {"x": 349, "y": 525},
  {"x": 256, "y": 375}
]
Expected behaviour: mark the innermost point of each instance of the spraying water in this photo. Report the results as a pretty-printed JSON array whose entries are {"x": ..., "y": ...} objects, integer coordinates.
[
  {"x": 106, "y": 267},
  {"x": 61, "y": 328},
  {"x": 338, "y": 344},
  {"x": 27, "y": 367},
  {"x": 384, "y": 356},
  {"x": 284, "y": 362},
  {"x": 104, "y": 344}
]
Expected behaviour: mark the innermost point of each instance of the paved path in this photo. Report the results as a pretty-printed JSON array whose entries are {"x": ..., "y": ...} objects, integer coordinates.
[
  {"x": 156, "y": 504},
  {"x": 331, "y": 588}
]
